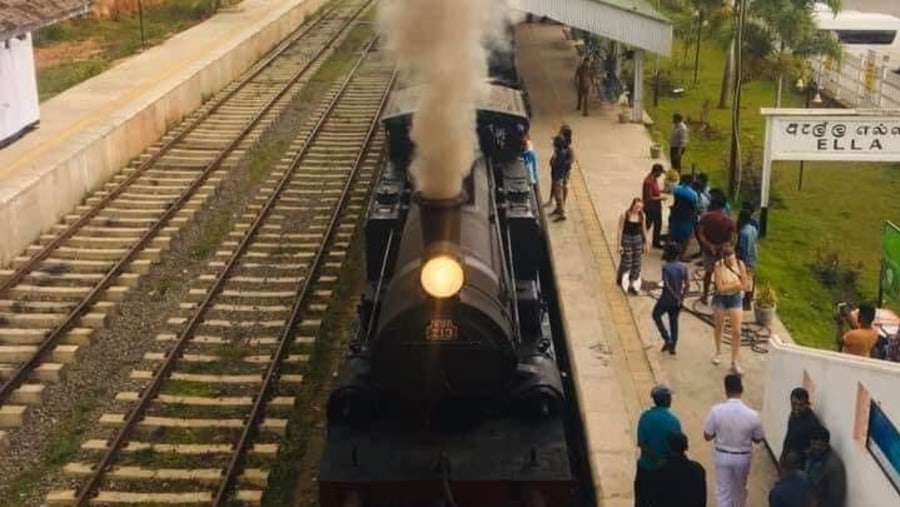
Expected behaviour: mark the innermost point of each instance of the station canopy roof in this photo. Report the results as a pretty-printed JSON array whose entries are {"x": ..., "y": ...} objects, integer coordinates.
[
  {"x": 19, "y": 17},
  {"x": 633, "y": 22}
]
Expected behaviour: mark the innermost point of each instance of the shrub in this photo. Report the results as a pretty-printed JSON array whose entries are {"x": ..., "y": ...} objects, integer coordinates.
[{"x": 836, "y": 272}]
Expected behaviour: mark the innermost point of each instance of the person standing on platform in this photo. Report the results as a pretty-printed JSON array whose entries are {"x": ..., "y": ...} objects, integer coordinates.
[
  {"x": 826, "y": 471},
  {"x": 715, "y": 230},
  {"x": 801, "y": 424},
  {"x": 675, "y": 282},
  {"x": 654, "y": 428},
  {"x": 529, "y": 158},
  {"x": 733, "y": 427},
  {"x": 678, "y": 141},
  {"x": 653, "y": 199},
  {"x": 746, "y": 251},
  {"x": 632, "y": 244},
  {"x": 682, "y": 481},
  {"x": 560, "y": 168},
  {"x": 683, "y": 214},
  {"x": 584, "y": 83},
  {"x": 792, "y": 489},
  {"x": 730, "y": 277}
]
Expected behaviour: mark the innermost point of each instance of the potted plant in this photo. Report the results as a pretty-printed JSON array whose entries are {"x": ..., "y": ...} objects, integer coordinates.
[{"x": 764, "y": 304}]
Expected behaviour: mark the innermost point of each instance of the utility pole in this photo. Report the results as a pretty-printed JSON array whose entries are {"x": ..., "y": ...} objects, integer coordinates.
[
  {"x": 700, "y": 20},
  {"x": 656, "y": 72}
]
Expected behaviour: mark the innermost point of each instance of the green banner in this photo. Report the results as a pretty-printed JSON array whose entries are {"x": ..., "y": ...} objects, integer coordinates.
[{"x": 890, "y": 265}]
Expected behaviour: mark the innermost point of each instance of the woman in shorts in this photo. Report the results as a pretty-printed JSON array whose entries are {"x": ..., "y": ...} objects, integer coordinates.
[{"x": 730, "y": 278}]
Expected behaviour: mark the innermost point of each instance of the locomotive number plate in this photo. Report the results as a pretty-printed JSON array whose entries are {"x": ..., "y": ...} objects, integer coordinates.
[{"x": 441, "y": 330}]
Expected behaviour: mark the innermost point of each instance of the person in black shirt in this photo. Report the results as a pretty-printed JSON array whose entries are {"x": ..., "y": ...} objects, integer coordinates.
[
  {"x": 801, "y": 424},
  {"x": 681, "y": 481}
]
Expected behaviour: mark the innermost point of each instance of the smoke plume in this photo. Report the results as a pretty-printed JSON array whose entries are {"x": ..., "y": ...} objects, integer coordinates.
[{"x": 440, "y": 44}]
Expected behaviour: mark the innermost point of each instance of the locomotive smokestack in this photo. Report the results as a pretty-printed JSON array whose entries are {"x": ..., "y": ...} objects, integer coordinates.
[{"x": 440, "y": 219}]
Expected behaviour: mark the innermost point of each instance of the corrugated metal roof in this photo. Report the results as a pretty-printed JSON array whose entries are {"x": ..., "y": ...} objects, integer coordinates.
[
  {"x": 22, "y": 16},
  {"x": 634, "y": 22},
  {"x": 642, "y": 7}
]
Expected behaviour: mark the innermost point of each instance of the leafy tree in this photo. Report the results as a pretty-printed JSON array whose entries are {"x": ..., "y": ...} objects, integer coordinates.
[{"x": 793, "y": 34}]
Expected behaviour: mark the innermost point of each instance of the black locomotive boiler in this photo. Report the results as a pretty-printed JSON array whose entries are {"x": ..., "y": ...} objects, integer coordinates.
[{"x": 450, "y": 393}]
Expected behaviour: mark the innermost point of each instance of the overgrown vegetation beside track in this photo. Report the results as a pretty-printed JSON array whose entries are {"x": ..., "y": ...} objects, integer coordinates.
[
  {"x": 824, "y": 241},
  {"x": 74, "y": 51}
]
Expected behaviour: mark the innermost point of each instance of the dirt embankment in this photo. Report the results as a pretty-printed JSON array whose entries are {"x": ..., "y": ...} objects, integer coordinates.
[{"x": 112, "y": 8}]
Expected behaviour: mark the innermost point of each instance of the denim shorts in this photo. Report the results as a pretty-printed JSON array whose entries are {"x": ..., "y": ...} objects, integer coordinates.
[{"x": 729, "y": 301}]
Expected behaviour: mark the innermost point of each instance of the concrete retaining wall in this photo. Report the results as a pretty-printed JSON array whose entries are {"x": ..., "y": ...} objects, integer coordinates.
[{"x": 91, "y": 131}]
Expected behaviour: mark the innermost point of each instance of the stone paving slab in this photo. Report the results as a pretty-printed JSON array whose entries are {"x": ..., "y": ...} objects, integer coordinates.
[{"x": 613, "y": 342}]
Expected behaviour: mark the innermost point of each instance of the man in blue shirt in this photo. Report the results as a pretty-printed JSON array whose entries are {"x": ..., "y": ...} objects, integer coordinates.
[
  {"x": 683, "y": 214},
  {"x": 653, "y": 431},
  {"x": 792, "y": 489}
]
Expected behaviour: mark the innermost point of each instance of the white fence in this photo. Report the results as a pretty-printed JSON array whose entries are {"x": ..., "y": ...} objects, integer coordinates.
[{"x": 860, "y": 81}]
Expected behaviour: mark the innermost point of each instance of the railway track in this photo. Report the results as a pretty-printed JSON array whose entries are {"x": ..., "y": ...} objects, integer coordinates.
[
  {"x": 53, "y": 299},
  {"x": 207, "y": 412}
]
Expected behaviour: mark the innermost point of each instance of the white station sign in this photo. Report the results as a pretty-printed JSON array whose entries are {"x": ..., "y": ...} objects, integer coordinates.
[
  {"x": 846, "y": 136},
  {"x": 841, "y": 135}
]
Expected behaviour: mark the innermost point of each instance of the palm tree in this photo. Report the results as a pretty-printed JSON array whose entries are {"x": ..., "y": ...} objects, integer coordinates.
[{"x": 794, "y": 34}]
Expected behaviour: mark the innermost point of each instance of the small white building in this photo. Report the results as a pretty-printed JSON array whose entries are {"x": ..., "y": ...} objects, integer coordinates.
[{"x": 19, "y": 109}]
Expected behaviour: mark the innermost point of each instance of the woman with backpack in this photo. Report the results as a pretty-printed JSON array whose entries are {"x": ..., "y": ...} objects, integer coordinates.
[{"x": 730, "y": 279}]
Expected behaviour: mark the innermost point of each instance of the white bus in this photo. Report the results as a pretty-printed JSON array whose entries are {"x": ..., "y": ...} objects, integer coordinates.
[{"x": 859, "y": 32}]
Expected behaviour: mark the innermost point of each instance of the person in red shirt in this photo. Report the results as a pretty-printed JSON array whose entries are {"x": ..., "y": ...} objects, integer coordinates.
[
  {"x": 653, "y": 203},
  {"x": 714, "y": 231}
]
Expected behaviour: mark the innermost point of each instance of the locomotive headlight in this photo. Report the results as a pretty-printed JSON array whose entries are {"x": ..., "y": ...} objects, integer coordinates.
[{"x": 442, "y": 276}]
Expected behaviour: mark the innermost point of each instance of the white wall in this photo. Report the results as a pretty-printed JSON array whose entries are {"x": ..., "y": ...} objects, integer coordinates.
[
  {"x": 834, "y": 380},
  {"x": 18, "y": 86}
]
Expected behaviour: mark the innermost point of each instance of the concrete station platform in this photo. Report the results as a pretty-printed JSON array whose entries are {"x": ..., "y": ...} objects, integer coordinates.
[
  {"x": 91, "y": 131},
  {"x": 613, "y": 342}
]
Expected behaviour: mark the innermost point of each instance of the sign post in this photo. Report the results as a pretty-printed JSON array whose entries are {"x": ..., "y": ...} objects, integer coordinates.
[{"x": 841, "y": 135}]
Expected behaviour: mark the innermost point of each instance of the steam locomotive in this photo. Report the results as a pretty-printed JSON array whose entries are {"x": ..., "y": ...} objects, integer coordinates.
[{"x": 450, "y": 393}]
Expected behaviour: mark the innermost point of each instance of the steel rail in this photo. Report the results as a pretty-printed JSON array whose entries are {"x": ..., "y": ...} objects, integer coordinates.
[
  {"x": 137, "y": 412},
  {"x": 32, "y": 263},
  {"x": 54, "y": 336},
  {"x": 303, "y": 290}
]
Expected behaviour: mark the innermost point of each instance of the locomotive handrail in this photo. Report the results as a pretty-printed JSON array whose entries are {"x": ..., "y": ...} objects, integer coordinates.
[
  {"x": 373, "y": 318},
  {"x": 508, "y": 269}
]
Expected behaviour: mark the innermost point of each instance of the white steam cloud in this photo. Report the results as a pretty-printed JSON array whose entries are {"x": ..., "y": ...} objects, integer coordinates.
[{"x": 440, "y": 44}]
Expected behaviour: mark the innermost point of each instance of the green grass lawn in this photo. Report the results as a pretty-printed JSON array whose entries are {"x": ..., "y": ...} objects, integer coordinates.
[
  {"x": 113, "y": 39},
  {"x": 837, "y": 215}
]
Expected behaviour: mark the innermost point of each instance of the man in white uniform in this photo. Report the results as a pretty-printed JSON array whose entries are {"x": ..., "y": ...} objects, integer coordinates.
[{"x": 734, "y": 427}]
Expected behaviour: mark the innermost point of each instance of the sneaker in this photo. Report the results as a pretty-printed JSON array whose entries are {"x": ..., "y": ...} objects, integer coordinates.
[
  {"x": 633, "y": 291},
  {"x": 560, "y": 218},
  {"x": 672, "y": 350},
  {"x": 555, "y": 211},
  {"x": 666, "y": 347},
  {"x": 737, "y": 368},
  {"x": 717, "y": 359}
]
